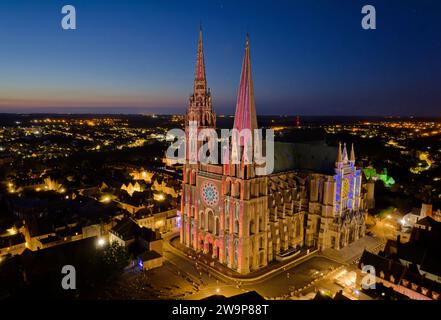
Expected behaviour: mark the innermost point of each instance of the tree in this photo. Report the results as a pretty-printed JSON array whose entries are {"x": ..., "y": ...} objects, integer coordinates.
[{"x": 111, "y": 262}]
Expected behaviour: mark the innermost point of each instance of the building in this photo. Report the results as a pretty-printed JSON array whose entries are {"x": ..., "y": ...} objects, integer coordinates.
[
  {"x": 127, "y": 232},
  {"x": 145, "y": 245},
  {"x": 244, "y": 220},
  {"x": 335, "y": 214},
  {"x": 412, "y": 268},
  {"x": 12, "y": 244},
  {"x": 165, "y": 221},
  {"x": 411, "y": 219}
]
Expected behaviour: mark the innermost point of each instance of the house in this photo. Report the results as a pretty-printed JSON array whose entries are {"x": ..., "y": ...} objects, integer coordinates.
[
  {"x": 401, "y": 279},
  {"x": 166, "y": 221},
  {"x": 126, "y": 232},
  {"x": 412, "y": 268},
  {"x": 142, "y": 243},
  {"x": 12, "y": 244}
]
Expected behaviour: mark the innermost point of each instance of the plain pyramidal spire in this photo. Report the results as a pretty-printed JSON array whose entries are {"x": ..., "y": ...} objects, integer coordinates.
[
  {"x": 245, "y": 116},
  {"x": 200, "y": 63}
]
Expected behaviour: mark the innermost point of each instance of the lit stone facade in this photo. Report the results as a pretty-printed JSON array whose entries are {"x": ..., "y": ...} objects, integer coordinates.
[
  {"x": 244, "y": 220},
  {"x": 336, "y": 213}
]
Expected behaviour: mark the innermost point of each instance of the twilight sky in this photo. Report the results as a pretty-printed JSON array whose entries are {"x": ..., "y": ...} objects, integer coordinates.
[{"x": 138, "y": 56}]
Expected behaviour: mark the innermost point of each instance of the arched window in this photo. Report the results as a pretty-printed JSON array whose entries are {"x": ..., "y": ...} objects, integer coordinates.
[
  {"x": 298, "y": 228},
  {"x": 235, "y": 251},
  {"x": 227, "y": 216},
  {"x": 228, "y": 187},
  {"x": 252, "y": 227},
  {"x": 227, "y": 249},
  {"x": 192, "y": 177},
  {"x": 236, "y": 226},
  {"x": 211, "y": 221},
  {"x": 237, "y": 189},
  {"x": 202, "y": 220},
  {"x": 236, "y": 219},
  {"x": 192, "y": 233},
  {"x": 187, "y": 176},
  {"x": 217, "y": 226}
]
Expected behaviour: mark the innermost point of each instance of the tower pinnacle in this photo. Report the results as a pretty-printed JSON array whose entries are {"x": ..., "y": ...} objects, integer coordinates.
[
  {"x": 200, "y": 63},
  {"x": 345, "y": 153},
  {"x": 339, "y": 153},
  {"x": 245, "y": 116},
  {"x": 200, "y": 104},
  {"x": 352, "y": 157}
]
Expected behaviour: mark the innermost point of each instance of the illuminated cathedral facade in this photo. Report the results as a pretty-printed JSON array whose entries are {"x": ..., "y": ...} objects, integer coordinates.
[{"x": 244, "y": 220}]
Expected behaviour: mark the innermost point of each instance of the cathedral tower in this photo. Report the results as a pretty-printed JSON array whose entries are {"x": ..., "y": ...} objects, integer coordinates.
[
  {"x": 200, "y": 107},
  {"x": 246, "y": 195},
  {"x": 199, "y": 115}
]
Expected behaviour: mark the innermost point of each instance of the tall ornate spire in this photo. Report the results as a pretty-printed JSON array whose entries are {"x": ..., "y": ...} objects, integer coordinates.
[
  {"x": 200, "y": 63},
  {"x": 245, "y": 117},
  {"x": 352, "y": 157},
  {"x": 200, "y": 104}
]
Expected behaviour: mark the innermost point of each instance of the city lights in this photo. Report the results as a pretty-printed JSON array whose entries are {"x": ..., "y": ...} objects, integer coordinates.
[
  {"x": 12, "y": 231},
  {"x": 326, "y": 184},
  {"x": 106, "y": 199}
]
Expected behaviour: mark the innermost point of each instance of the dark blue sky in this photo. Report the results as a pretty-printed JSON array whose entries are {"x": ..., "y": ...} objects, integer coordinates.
[{"x": 308, "y": 57}]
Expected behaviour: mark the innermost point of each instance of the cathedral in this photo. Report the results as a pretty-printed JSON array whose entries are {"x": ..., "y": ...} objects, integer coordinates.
[{"x": 244, "y": 220}]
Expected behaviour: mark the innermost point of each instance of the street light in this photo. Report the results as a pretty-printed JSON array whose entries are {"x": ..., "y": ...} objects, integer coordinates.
[
  {"x": 105, "y": 199},
  {"x": 101, "y": 242}
]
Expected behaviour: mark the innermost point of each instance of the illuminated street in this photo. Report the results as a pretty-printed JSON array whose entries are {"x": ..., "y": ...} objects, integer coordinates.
[{"x": 184, "y": 278}]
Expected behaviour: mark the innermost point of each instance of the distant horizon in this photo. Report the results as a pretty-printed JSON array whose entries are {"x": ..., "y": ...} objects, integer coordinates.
[
  {"x": 307, "y": 57},
  {"x": 79, "y": 113}
]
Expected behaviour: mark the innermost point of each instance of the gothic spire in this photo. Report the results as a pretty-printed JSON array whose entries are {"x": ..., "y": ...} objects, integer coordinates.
[
  {"x": 200, "y": 106},
  {"x": 200, "y": 63},
  {"x": 245, "y": 116},
  {"x": 352, "y": 157}
]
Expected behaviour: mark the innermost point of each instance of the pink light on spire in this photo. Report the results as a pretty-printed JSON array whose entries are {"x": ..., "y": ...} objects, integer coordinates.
[
  {"x": 200, "y": 63},
  {"x": 245, "y": 117}
]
